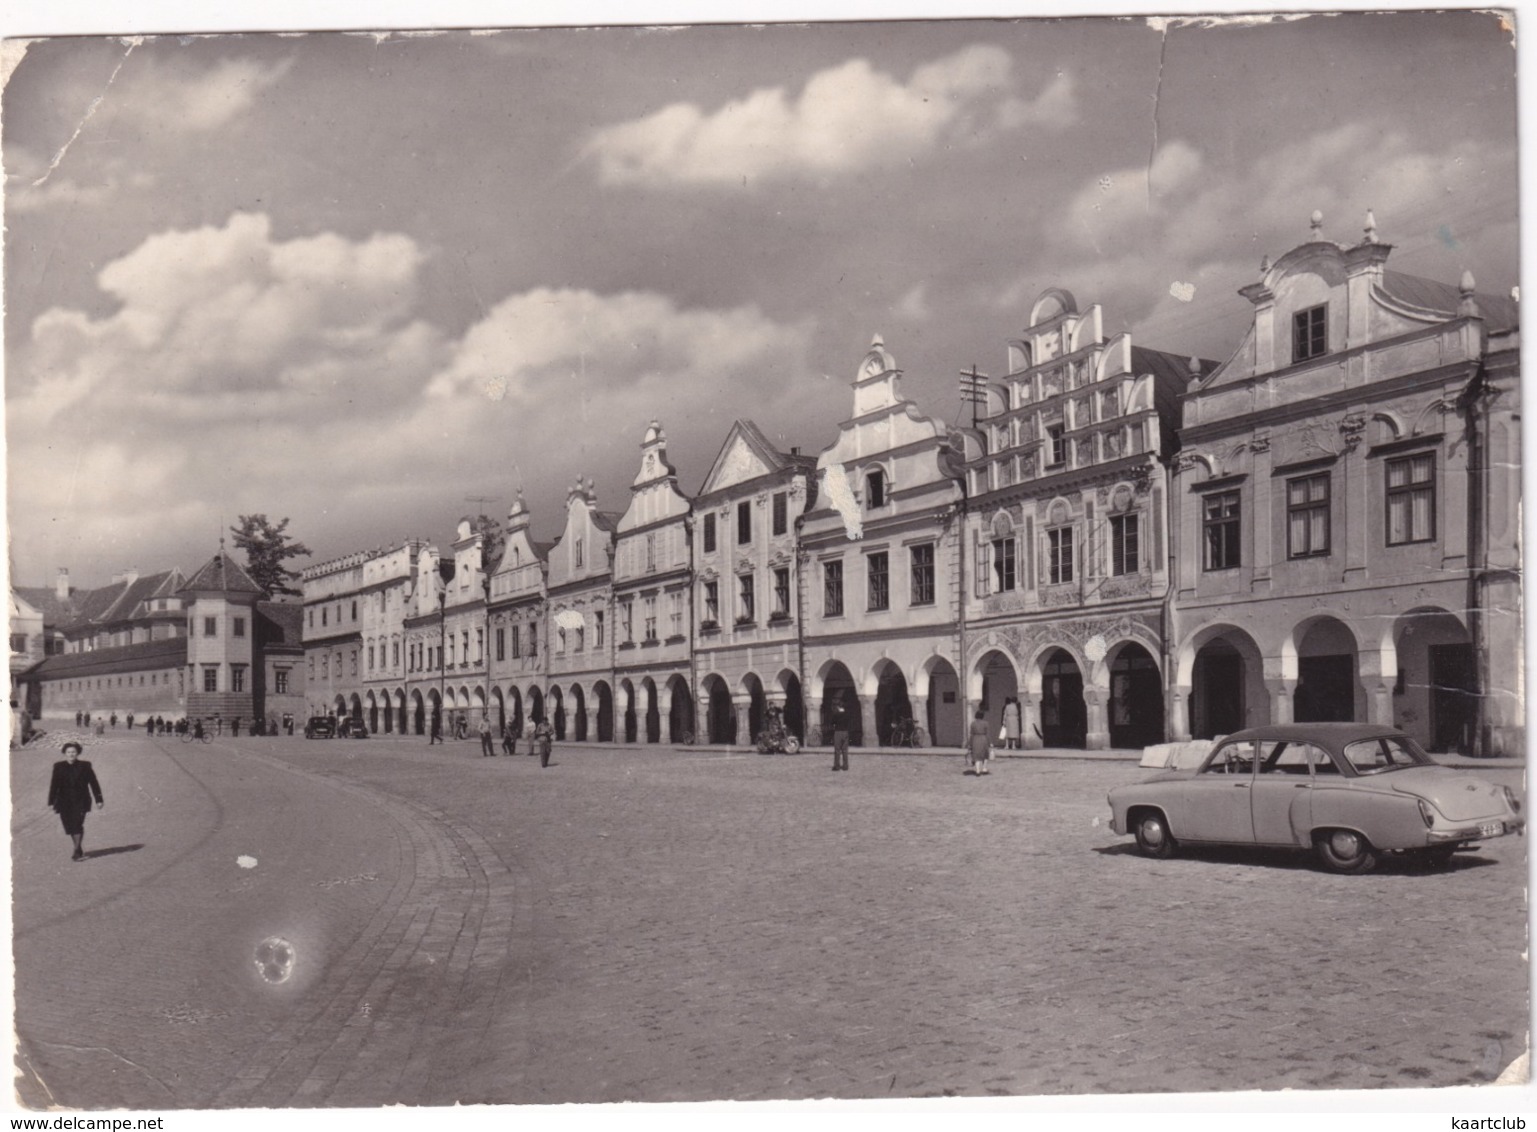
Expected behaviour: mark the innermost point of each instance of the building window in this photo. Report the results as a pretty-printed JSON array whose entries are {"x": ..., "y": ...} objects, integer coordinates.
[
  {"x": 782, "y": 591},
  {"x": 354, "y": 659},
  {"x": 649, "y": 605},
  {"x": 709, "y": 533},
  {"x": 675, "y": 613},
  {"x": 627, "y": 621},
  {"x": 744, "y": 522},
  {"x": 781, "y": 513},
  {"x": 1221, "y": 521},
  {"x": 370, "y": 658},
  {"x": 324, "y": 612},
  {"x": 1123, "y": 544},
  {"x": 1059, "y": 555},
  {"x": 237, "y": 678},
  {"x": 581, "y": 638},
  {"x": 533, "y": 640},
  {"x": 832, "y": 589},
  {"x": 746, "y": 593},
  {"x": 1309, "y": 333},
  {"x": 239, "y": 629},
  {"x": 875, "y": 488},
  {"x": 210, "y": 626},
  {"x": 1003, "y": 565},
  {"x": 18, "y": 642},
  {"x": 923, "y": 574},
  {"x": 560, "y": 641},
  {"x": 517, "y": 642},
  {"x": 1307, "y": 516},
  {"x": 712, "y": 602},
  {"x": 480, "y": 646},
  {"x": 501, "y": 644},
  {"x": 1412, "y": 499},
  {"x": 578, "y": 552},
  {"x": 651, "y": 552},
  {"x": 354, "y": 609},
  {"x": 1056, "y": 446},
  {"x": 597, "y": 629},
  {"x": 878, "y": 569},
  {"x": 210, "y": 677}
]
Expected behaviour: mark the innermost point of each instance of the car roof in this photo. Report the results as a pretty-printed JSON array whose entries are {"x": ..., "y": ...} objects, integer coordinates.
[{"x": 1322, "y": 733}]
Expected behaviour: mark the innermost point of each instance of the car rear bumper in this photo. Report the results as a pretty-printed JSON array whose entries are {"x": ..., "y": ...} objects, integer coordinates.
[{"x": 1481, "y": 832}]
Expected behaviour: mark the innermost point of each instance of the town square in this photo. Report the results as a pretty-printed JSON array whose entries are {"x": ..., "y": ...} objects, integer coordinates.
[{"x": 965, "y": 560}]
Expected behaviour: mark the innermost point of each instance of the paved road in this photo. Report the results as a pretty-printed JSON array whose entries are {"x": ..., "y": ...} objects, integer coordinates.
[{"x": 660, "y": 925}]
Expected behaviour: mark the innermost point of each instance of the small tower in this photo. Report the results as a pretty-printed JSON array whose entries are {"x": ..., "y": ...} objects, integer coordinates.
[{"x": 220, "y": 600}]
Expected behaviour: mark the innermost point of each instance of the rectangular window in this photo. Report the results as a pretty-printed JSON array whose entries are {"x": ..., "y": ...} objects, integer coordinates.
[
  {"x": 1307, "y": 516},
  {"x": 782, "y": 591},
  {"x": 1056, "y": 443},
  {"x": 1222, "y": 530},
  {"x": 517, "y": 642},
  {"x": 712, "y": 602},
  {"x": 578, "y": 552},
  {"x": 1003, "y": 565},
  {"x": 1309, "y": 333},
  {"x": 1124, "y": 535},
  {"x": 533, "y": 640},
  {"x": 501, "y": 644},
  {"x": 832, "y": 589},
  {"x": 239, "y": 629},
  {"x": 781, "y": 512},
  {"x": 237, "y": 678},
  {"x": 709, "y": 533},
  {"x": 210, "y": 626},
  {"x": 210, "y": 677},
  {"x": 650, "y": 607},
  {"x": 1059, "y": 555},
  {"x": 744, "y": 522},
  {"x": 878, "y": 569},
  {"x": 1411, "y": 498},
  {"x": 370, "y": 658},
  {"x": 675, "y": 614},
  {"x": 597, "y": 629},
  {"x": 875, "y": 488},
  {"x": 746, "y": 609},
  {"x": 560, "y": 641},
  {"x": 651, "y": 552},
  {"x": 923, "y": 574},
  {"x": 581, "y": 638},
  {"x": 627, "y": 621}
]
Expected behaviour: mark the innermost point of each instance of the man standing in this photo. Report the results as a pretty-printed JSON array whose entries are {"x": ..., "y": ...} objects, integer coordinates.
[
  {"x": 435, "y": 729},
  {"x": 70, "y": 792},
  {"x": 840, "y": 718},
  {"x": 487, "y": 751}
]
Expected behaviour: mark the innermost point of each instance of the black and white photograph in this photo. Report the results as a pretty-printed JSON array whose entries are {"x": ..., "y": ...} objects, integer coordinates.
[{"x": 965, "y": 564}]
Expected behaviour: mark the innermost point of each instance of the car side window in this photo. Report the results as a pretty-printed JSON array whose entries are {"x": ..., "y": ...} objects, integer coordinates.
[
  {"x": 1286, "y": 758},
  {"x": 1366, "y": 755},
  {"x": 1231, "y": 758}
]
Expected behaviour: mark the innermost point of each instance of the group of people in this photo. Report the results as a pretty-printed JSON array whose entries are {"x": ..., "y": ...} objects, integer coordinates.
[{"x": 541, "y": 737}]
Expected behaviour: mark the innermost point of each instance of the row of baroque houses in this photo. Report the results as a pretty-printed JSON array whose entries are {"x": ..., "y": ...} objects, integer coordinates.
[{"x": 1132, "y": 544}]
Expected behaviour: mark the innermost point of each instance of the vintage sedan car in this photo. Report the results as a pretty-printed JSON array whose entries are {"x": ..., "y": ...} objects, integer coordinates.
[
  {"x": 320, "y": 727},
  {"x": 352, "y": 729},
  {"x": 1348, "y": 791}
]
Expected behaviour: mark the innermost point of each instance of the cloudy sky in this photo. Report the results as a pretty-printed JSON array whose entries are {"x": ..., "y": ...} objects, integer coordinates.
[{"x": 361, "y": 281}]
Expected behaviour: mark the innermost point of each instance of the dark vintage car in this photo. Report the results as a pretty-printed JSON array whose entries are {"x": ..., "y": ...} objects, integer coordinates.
[
  {"x": 352, "y": 729},
  {"x": 320, "y": 727},
  {"x": 1348, "y": 791}
]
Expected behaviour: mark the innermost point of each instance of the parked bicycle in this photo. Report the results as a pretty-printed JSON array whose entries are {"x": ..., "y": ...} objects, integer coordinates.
[{"x": 906, "y": 733}]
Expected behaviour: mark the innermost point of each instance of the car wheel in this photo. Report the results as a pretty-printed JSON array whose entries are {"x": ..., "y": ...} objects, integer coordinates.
[
  {"x": 1345, "y": 851},
  {"x": 1153, "y": 836}
]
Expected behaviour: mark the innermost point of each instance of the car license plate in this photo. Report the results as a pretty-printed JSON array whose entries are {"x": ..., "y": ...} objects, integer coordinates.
[{"x": 1491, "y": 829}]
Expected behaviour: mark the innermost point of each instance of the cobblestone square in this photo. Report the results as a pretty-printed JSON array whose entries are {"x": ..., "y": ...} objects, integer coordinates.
[{"x": 650, "y": 925}]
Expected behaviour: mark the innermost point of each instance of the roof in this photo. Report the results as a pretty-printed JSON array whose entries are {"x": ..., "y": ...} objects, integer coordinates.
[
  {"x": 1500, "y": 312},
  {"x": 119, "y": 601},
  {"x": 223, "y": 575},
  {"x": 168, "y": 653},
  {"x": 1333, "y": 735},
  {"x": 607, "y": 520},
  {"x": 279, "y": 623}
]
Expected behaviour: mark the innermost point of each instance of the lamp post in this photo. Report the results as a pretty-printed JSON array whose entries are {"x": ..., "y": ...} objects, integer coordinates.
[{"x": 446, "y": 574}]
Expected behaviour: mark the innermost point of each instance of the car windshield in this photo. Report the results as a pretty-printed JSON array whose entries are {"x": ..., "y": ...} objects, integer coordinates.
[{"x": 1388, "y": 752}]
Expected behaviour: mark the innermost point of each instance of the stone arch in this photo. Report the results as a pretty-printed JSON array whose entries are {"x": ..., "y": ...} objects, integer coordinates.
[
  {"x": 1321, "y": 654},
  {"x": 1060, "y": 674},
  {"x": 893, "y": 704},
  {"x": 680, "y": 711},
  {"x": 1135, "y": 708},
  {"x": 578, "y": 722},
  {"x": 604, "y": 695},
  {"x": 1436, "y": 689},
  {"x": 535, "y": 701},
  {"x": 751, "y": 705},
  {"x": 720, "y": 719},
  {"x": 556, "y": 707},
  {"x": 629, "y": 719},
  {"x": 940, "y": 708},
  {"x": 498, "y": 710},
  {"x": 835, "y": 686},
  {"x": 399, "y": 712},
  {"x": 788, "y": 683},
  {"x": 371, "y": 707},
  {"x": 1219, "y": 683},
  {"x": 649, "y": 719},
  {"x": 992, "y": 682}
]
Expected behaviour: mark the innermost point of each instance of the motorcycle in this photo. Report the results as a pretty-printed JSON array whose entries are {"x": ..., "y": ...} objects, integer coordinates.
[{"x": 775, "y": 738}]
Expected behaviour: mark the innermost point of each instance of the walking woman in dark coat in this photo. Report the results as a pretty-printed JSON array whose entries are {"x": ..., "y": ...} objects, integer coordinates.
[
  {"x": 69, "y": 794},
  {"x": 979, "y": 746}
]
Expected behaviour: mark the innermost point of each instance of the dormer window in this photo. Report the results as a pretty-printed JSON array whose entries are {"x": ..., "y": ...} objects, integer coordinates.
[
  {"x": 875, "y": 488},
  {"x": 1309, "y": 333}
]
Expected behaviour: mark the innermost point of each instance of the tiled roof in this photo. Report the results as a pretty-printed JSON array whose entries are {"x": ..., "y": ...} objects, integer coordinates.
[
  {"x": 223, "y": 574},
  {"x": 169, "y": 653},
  {"x": 279, "y": 623},
  {"x": 119, "y": 601},
  {"x": 1500, "y": 311}
]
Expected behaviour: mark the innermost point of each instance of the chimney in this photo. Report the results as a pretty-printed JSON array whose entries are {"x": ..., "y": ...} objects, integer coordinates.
[{"x": 61, "y": 585}]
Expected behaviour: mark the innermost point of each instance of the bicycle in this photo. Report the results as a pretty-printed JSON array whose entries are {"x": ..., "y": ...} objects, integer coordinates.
[
  {"x": 906, "y": 733},
  {"x": 197, "y": 734}
]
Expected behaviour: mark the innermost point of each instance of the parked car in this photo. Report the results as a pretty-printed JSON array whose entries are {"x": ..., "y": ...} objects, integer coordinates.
[
  {"x": 320, "y": 727},
  {"x": 1348, "y": 791},
  {"x": 352, "y": 729}
]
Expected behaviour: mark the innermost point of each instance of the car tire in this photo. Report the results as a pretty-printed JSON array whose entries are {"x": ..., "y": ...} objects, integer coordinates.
[
  {"x": 1153, "y": 836},
  {"x": 1345, "y": 851}
]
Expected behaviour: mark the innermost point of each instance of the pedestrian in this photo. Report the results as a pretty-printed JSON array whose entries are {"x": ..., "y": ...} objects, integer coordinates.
[
  {"x": 77, "y": 719},
  {"x": 840, "y": 720},
  {"x": 509, "y": 740},
  {"x": 218, "y": 724},
  {"x": 487, "y": 749},
  {"x": 435, "y": 730},
  {"x": 114, "y": 721},
  {"x": 1011, "y": 724},
  {"x": 129, "y": 722},
  {"x": 288, "y": 722},
  {"x": 981, "y": 744},
  {"x": 100, "y": 727},
  {"x": 272, "y": 726},
  {"x": 70, "y": 792},
  {"x": 544, "y": 736},
  {"x": 234, "y": 727},
  {"x": 87, "y": 722}
]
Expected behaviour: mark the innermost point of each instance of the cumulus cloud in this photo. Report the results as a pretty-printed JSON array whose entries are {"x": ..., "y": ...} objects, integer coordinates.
[
  {"x": 846, "y": 120},
  {"x": 204, "y": 100}
]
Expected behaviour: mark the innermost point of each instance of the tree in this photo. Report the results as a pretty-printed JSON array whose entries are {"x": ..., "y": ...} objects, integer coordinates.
[
  {"x": 493, "y": 540},
  {"x": 266, "y": 547}
]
